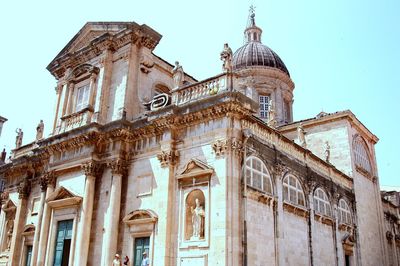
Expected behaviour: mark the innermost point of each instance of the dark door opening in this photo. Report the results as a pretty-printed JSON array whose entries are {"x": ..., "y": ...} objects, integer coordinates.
[
  {"x": 28, "y": 255},
  {"x": 63, "y": 243},
  {"x": 141, "y": 245}
]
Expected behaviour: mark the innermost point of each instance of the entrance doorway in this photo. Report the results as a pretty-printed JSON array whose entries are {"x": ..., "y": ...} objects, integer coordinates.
[
  {"x": 28, "y": 255},
  {"x": 63, "y": 243},
  {"x": 141, "y": 245}
]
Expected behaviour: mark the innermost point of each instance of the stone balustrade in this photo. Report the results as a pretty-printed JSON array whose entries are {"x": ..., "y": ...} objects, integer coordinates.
[
  {"x": 75, "y": 120},
  {"x": 200, "y": 90}
]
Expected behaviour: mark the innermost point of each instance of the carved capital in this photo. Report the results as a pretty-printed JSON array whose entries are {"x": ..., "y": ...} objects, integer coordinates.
[
  {"x": 49, "y": 178},
  {"x": 236, "y": 145},
  {"x": 4, "y": 196},
  {"x": 167, "y": 157},
  {"x": 118, "y": 167},
  {"x": 219, "y": 147},
  {"x": 92, "y": 168},
  {"x": 24, "y": 188},
  {"x": 281, "y": 169}
]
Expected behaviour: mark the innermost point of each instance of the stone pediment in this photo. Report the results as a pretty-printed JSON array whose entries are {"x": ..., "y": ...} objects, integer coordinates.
[
  {"x": 62, "y": 197},
  {"x": 194, "y": 169},
  {"x": 140, "y": 217},
  {"x": 29, "y": 229}
]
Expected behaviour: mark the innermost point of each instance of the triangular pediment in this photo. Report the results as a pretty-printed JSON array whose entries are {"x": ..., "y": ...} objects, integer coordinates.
[
  {"x": 90, "y": 32},
  {"x": 60, "y": 193},
  {"x": 196, "y": 166}
]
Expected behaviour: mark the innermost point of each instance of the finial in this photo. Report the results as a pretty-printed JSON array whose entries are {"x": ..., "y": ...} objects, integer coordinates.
[{"x": 252, "y": 14}]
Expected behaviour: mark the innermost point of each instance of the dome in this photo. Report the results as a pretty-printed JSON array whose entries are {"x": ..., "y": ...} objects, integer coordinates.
[{"x": 254, "y": 53}]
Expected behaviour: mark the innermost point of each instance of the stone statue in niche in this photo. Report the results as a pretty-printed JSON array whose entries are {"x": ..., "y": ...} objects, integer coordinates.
[
  {"x": 198, "y": 215},
  {"x": 9, "y": 233},
  {"x": 178, "y": 75},
  {"x": 18, "y": 138},
  {"x": 301, "y": 135},
  {"x": 272, "y": 115},
  {"x": 327, "y": 151},
  {"x": 39, "y": 130},
  {"x": 226, "y": 57}
]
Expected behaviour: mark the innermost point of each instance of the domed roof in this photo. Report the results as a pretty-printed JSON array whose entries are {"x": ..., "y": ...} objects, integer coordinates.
[{"x": 254, "y": 53}]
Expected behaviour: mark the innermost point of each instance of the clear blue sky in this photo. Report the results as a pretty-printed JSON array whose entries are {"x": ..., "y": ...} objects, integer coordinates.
[{"x": 341, "y": 54}]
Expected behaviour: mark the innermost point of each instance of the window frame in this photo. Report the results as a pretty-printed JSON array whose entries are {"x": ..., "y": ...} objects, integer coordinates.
[
  {"x": 362, "y": 157},
  {"x": 264, "y": 175},
  {"x": 324, "y": 200},
  {"x": 344, "y": 211},
  {"x": 264, "y": 105},
  {"x": 81, "y": 105},
  {"x": 296, "y": 189}
]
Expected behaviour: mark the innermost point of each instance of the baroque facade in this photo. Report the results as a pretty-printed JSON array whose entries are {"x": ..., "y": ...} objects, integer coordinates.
[{"x": 145, "y": 158}]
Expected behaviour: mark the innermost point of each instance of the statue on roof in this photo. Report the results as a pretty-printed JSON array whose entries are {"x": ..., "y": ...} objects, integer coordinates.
[
  {"x": 178, "y": 75},
  {"x": 272, "y": 115},
  {"x": 226, "y": 57},
  {"x": 39, "y": 130},
  {"x": 301, "y": 136},
  {"x": 18, "y": 138},
  {"x": 327, "y": 151}
]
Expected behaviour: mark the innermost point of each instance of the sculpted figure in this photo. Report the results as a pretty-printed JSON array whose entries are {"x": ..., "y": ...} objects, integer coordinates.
[
  {"x": 198, "y": 215},
  {"x": 226, "y": 57},
  {"x": 301, "y": 135},
  {"x": 271, "y": 115},
  {"x": 327, "y": 148},
  {"x": 18, "y": 139},
  {"x": 178, "y": 75},
  {"x": 9, "y": 233},
  {"x": 39, "y": 130}
]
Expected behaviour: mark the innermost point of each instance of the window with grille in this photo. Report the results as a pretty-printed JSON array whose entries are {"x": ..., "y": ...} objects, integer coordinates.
[
  {"x": 321, "y": 202},
  {"x": 257, "y": 175},
  {"x": 361, "y": 156},
  {"x": 344, "y": 212},
  {"x": 82, "y": 98},
  {"x": 264, "y": 105},
  {"x": 292, "y": 191}
]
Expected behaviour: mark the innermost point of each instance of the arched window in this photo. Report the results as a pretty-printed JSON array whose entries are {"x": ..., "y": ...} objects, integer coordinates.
[
  {"x": 361, "y": 156},
  {"x": 257, "y": 175},
  {"x": 321, "y": 202},
  {"x": 292, "y": 191},
  {"x": 344, "y": 212}
]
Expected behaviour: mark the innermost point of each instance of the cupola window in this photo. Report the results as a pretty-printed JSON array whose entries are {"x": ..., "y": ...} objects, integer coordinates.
[{"x": 264, "y": 106}]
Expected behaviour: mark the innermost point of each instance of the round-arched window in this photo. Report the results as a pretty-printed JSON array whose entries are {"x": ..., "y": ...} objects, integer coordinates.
[
  {"x": 344, "y": 212},
  {"x": 361, "y": 156},
  {"x": 257, "y": 175},
  {"x": 321, "y": 202},
  {"x": 292, "y": 191}
]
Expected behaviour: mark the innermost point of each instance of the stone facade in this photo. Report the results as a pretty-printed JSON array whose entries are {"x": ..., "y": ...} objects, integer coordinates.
[{"x": 189, "y": 173}]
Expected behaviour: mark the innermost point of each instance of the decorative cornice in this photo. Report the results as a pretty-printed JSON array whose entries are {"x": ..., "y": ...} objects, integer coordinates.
[{"x": 118, "y": 167}]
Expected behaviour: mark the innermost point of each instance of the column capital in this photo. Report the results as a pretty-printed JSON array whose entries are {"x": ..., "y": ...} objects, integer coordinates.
[
  {"x": 24, "y": 188},
  {"x": 92, "y": 168},
  {"x": 48, "y": 178},
  {"x": 118, "y": 166}
]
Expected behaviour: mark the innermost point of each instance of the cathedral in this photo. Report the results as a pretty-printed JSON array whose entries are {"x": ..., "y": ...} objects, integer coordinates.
[{"x": 146, "y": 164}]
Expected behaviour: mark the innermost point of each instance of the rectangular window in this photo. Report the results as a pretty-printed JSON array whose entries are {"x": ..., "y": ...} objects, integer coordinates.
[
  {"x": 82, "y": 97},
  {"x": 142, "y": 244},
  {"x": 264, "y": 104},
  {"x": 287, "y": 111},
  {"x": 63, "y": 243},
  {"x": 28, "y": 255}
]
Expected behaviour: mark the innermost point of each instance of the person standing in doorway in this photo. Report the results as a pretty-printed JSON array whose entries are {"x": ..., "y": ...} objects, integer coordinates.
[{"x": 145, "y": 260}]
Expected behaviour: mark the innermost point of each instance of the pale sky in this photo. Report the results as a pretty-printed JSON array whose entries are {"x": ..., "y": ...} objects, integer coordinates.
[{"x": 340, "y": 54}]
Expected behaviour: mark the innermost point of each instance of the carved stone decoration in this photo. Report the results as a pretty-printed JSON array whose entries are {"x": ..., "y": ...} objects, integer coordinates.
[
  {"x": 389, "y": 236},
  {"x": 146, "y": 63},
  {"x": 236, "y": 145},
  {"x": 24, "y": 189},
  {"x": 219, "y": 147},
  {"x": 46, "y": 179},
  {"x": 4, "y": 196},
  {"x": 195, "y": 216},
  {"x": 92, "y": 168},
  {"x": 118, "y": 167},
  {"x": 272, "y": 115},
  {"x": 281, "y": 169},
  {"x": 301, "y": 136},
  {"x": 167, "y": 157},
  {"x": 226, "y": 57},
  {"x": 159, "y": 101}
]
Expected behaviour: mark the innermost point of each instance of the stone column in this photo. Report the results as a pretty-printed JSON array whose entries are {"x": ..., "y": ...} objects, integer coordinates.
[
  {"x": 118, "y": 169},
  {"x": 49, "y": 180},
  {"x": 43, "y": 188},
  {"x": 19, "y": 222},
  {"x": 69, "y": 99},
  {"x": 92, "y": 170}
]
